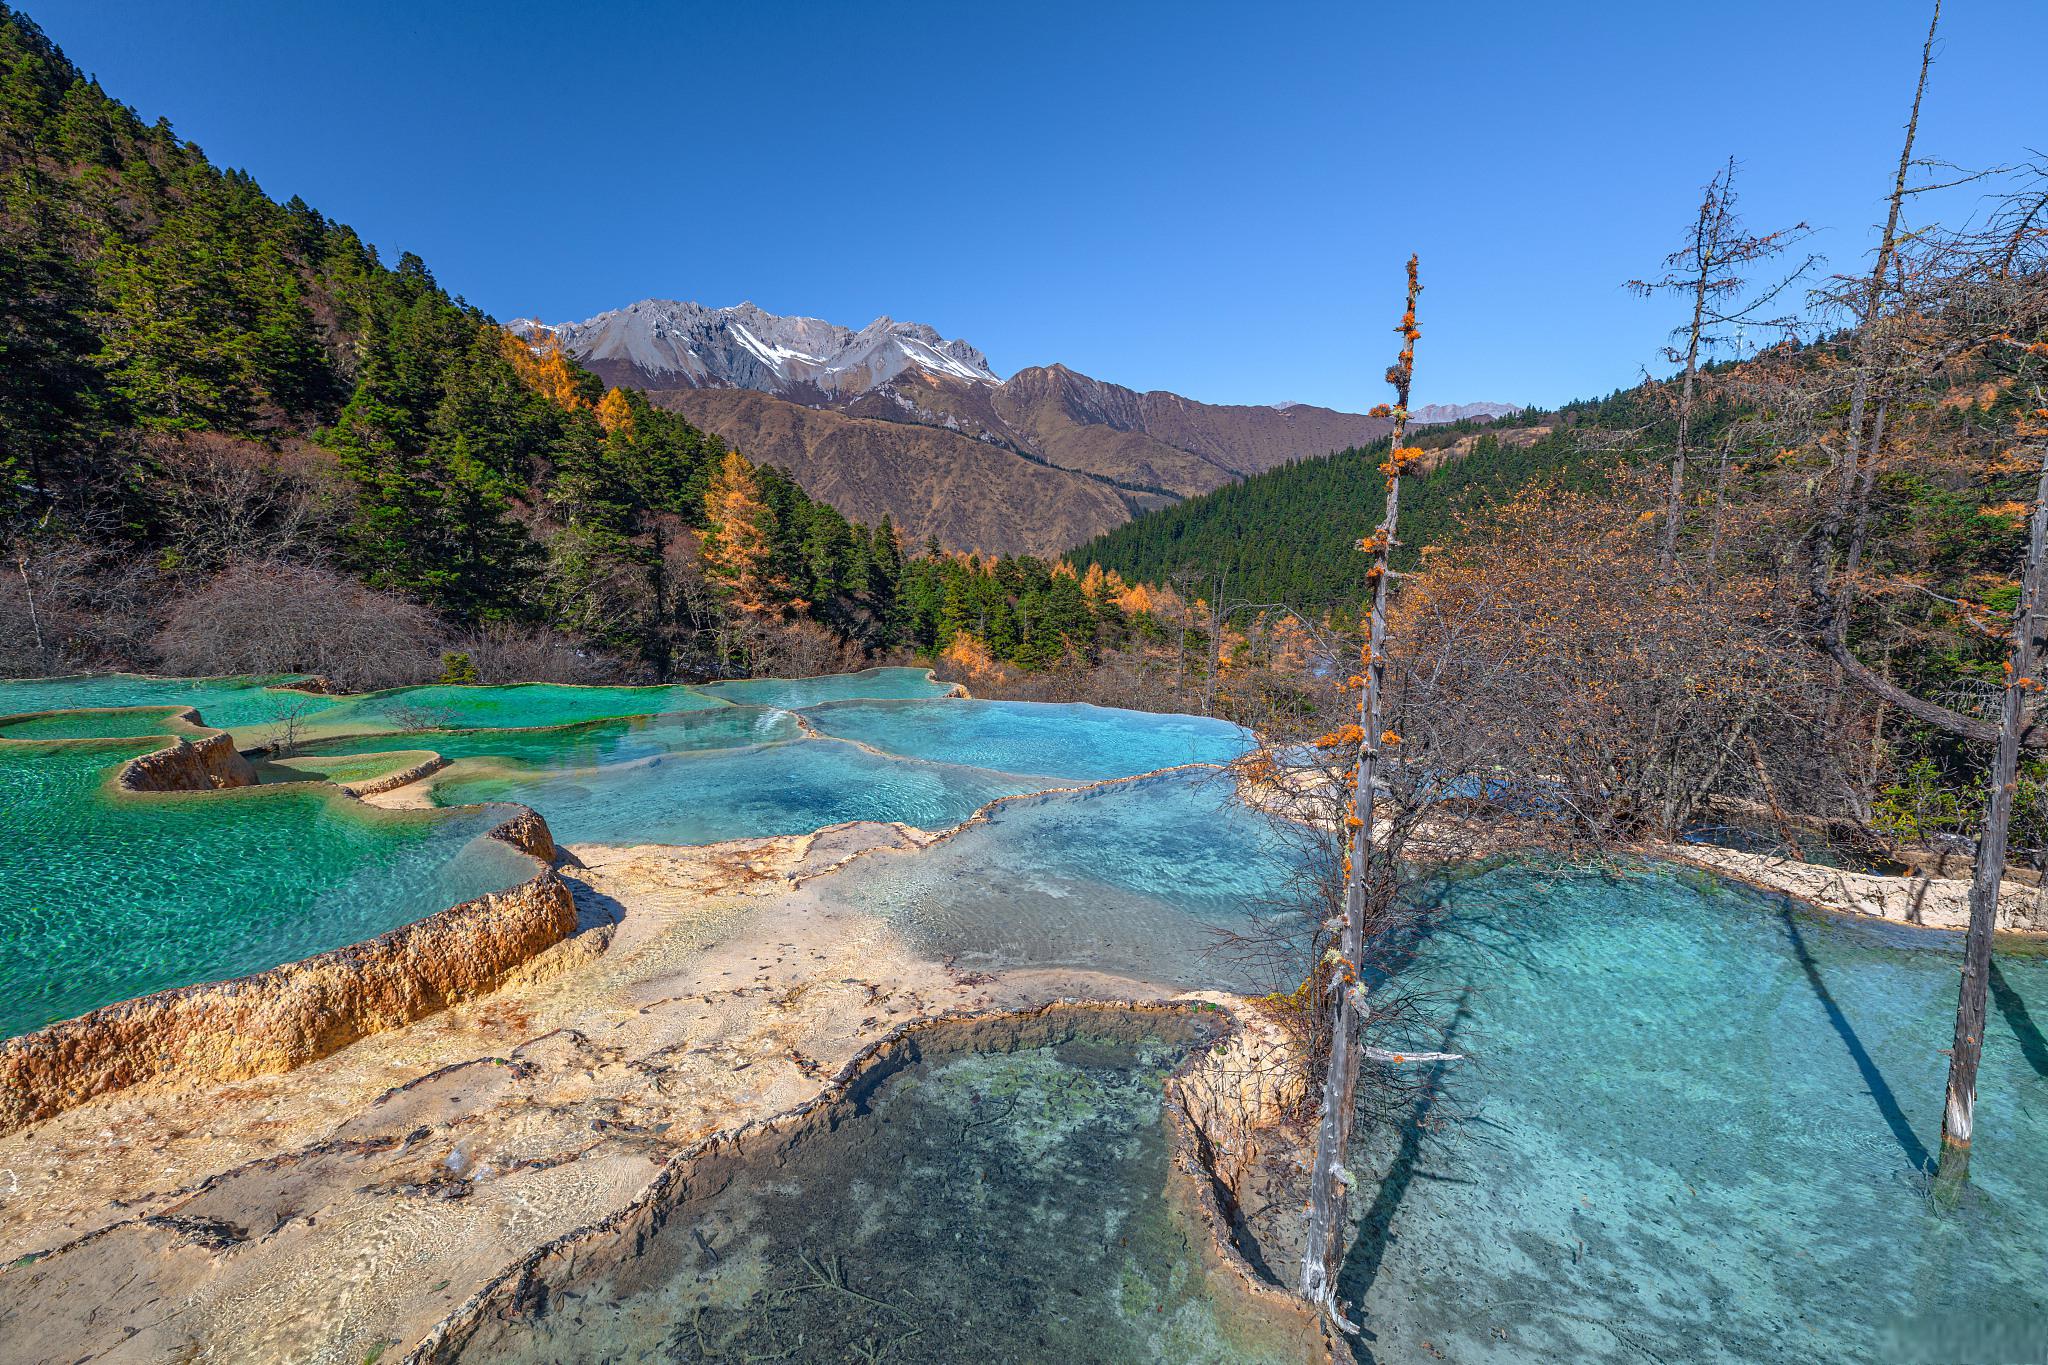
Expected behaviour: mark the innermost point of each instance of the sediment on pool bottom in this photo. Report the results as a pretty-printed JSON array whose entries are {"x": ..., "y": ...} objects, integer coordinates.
[{"x": 1000, "y": 1188}]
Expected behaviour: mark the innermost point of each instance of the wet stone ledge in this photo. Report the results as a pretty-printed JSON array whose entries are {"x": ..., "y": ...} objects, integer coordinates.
[{"x": 208, "y": 763}]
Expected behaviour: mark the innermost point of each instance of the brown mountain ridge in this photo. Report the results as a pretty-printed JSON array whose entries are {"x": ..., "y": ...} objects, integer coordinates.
[{"x": 895, "y": 419}]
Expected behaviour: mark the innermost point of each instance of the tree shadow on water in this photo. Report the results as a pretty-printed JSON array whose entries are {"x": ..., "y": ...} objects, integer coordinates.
[
  {"x": 1361, "y": 1266},
  {"x": 2032, "y": 1045},
  {"x": 1873, "y": 1079}
]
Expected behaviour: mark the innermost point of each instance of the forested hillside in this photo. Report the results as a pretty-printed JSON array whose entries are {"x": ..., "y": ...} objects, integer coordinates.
[
  {"x": 1291, "y": 534},
  {"x": 233, "y": 437}
]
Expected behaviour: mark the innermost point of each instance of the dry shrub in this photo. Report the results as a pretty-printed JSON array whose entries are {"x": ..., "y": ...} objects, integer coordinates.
[
  {"x": 221, "y": 499},
  {"x": 795, "y": 648},
  {"x": 503, "y": 652},
  {"x": 1630, "y": 693},
  {"x": 269, "y": 617},
  {"x": 70, "y": 603}
]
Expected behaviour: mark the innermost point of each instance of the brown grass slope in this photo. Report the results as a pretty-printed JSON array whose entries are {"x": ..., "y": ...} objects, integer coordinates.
[{"x": 930, "y": 481}]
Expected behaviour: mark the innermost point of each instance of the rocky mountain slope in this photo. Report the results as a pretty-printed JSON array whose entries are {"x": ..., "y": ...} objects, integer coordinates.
[
  {"x": 666, "y": 344},
  {"x": 929, "y": 481},
  {"x": 896, "y": 418},
  {"x": 1431, "y": 414}
]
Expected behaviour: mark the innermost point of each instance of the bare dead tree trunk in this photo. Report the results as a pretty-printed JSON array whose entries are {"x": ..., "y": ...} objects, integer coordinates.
[
  {"x": 1873, "y": 294},
  {"x": 1706, "y": 236},
  {"x": 35, "y": 621},
  {"x": 1720, "y": 506},
  {"x": 1349, "y": 1007},
  {"x": 1959, "y": 1114}
]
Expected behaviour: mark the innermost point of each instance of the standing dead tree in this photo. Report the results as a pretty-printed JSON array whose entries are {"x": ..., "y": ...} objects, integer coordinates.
[
  {"x": 2022, "y": 670},
  {"x": 1863, "y": 432},
  {"x": 1368, "y": 874},
  {"x": 1974, "y": 323},
  {"x": 1709, "y": 270}
]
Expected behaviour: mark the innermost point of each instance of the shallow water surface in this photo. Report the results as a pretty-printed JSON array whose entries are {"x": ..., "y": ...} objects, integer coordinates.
[
  {"x": 114, "y": 896},
  {"x": 1133, "y": 878},
  {"x": 701, "y": 798},
  {"x": 440, "y": 706},
  {"x": 1005, "y": 1202},
  {"x": 224, "y": 702},
  {"x": 798, "y": 692},
  {"x": 1068, "y": 740},
  {"x": 1692, "y": 1129},
  {"x": 588, "y": 745}
]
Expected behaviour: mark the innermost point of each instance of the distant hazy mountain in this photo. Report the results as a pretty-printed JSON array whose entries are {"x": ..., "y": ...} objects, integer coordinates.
[
  {"x": 894, "y": 417},
  {"x": 1431, "y": 413}
]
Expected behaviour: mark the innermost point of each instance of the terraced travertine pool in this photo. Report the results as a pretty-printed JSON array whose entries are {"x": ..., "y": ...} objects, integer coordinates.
[
  {"x": 110, "y": 895},
  {"x": 999, "y": 1195},
  {"x": 1692, "y": 1124}
]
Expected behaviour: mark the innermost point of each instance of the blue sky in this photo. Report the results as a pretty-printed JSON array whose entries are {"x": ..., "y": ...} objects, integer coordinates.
[{"x": 1215, "y": 199}]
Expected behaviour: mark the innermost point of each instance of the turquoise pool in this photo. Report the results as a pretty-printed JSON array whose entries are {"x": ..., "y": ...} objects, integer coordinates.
[
  {"x": 1135, "y": 878},
  {"x": 588, "y": 745},
  {"x": 125, "y": 894},
  {"x": 1002, "y": 1198},
  {"x": 1073, "y": 741},
  {"x": 226, "y": 702},
  {"x": 1693, "y": 1121},
  {"x": 1692, "y": 1129},
  {"x": 702, "y": 798}
]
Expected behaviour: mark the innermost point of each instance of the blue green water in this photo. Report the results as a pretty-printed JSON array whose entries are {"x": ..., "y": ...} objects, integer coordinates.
[
  {"x": 111, "y": 896},
  {"x": 1692, "y": 1129},
  {"x": 111, "y": 724},
  {"x": 1000, "y": 1197},
  {"x": 588, "y": 745},
  {"x": 521, "y": 705},
  {"x": 225, "y": 702},
  {"x": 882, "y": 683},
  {"x": 1074, "y": 741},
  {"x": 701, "y": 798},
  {"x": 260, "y": 704},
  {"x": 1133, "y": 878}
]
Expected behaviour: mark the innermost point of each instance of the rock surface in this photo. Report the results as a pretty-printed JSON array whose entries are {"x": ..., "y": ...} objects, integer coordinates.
[
  {"x": 208, "y": 763},
  {"x": 350, "y": 1204},
  {"x": 1933, "y": 902}
]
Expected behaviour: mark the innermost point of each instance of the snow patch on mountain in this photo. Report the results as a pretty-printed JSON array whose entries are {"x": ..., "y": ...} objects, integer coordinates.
[
  {"x": 686, "y": 345},
  {"x": 1432, "y": 413}
]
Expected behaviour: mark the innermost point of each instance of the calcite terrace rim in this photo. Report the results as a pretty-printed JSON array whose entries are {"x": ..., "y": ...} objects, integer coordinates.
[
  {"x": 1191, "y": 1178},
  {"x": 48, "y": 1070}
]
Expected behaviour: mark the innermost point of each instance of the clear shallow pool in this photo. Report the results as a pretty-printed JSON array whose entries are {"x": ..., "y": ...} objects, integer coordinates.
[
  {"x": 588, "y": 745},
  {"x": 116, "y": 724},
  {"x": 228, "y": 703},
  {"x": 1692, "y": 1131},
  {"x": 1133, "y": 878},
  {"x": 108, "y": 897},
  {"x": 1691, "y": 1128},
  {"x": 701, "y": 798},
  {"x": 518, "y": 705},
  {"x": 881, "y": 683},
  {"x": 261, "y": 705},
  {"x": 1002, "y": 1204},
  {"x": 1073, "y": 741}
]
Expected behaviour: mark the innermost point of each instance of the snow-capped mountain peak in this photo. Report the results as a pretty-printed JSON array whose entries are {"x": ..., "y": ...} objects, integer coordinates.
[{"x": 674, "y": 344}]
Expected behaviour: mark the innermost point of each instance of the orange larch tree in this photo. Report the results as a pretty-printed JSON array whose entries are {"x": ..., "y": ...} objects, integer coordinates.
[{"x": 736, "y": 546}]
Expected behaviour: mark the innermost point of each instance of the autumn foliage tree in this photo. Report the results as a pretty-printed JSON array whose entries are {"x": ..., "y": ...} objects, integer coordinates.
[{"x": 738, "y": 550}]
